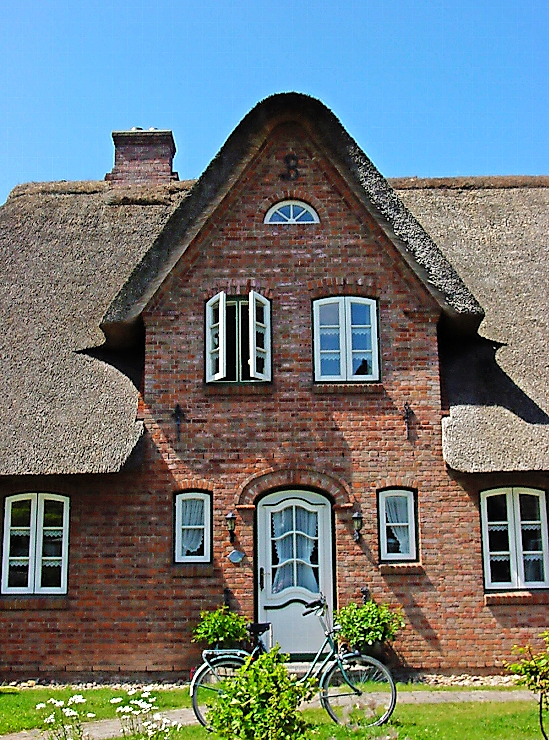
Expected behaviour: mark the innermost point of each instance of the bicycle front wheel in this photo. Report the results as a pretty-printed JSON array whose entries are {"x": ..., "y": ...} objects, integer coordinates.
[
  {"x": 358, "y": 691},
  {"x": 208, "y": 682}
]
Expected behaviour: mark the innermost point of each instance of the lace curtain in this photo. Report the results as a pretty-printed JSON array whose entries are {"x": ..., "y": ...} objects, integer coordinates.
[
  {"x": 295, "y": 567},
  {"x": 396, "y": 513}
]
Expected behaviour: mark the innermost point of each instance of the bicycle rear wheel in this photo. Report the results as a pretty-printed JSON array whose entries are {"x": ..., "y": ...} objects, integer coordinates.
[
  {"x": 358, "y": 691},
  {"x": 208, "y": 683}
]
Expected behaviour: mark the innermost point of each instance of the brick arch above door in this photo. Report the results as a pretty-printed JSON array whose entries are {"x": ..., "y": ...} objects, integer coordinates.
[{"x": 334, "y": 486}]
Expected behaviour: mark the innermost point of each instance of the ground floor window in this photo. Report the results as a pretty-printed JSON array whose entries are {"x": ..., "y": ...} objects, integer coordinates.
[
  {"x": 515, "y": 538},
  {"x": 397, "y": 525},
  {"x": 36, "y": 544},
  {"x": 193, "y": 527}
]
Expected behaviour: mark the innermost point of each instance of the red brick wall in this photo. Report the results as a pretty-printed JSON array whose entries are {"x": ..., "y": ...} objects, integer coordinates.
[{"x": 129, "y": 607}]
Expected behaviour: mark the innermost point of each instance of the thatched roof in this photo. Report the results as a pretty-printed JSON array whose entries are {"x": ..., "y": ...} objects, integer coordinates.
[
  {"x": 65, "y": 250},
  {"x": 495, "y": 232},
  {"x": 78, "y": 256}
]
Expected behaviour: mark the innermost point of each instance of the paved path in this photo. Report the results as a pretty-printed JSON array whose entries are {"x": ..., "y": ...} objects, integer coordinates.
[{"x": 109, "y": 728}]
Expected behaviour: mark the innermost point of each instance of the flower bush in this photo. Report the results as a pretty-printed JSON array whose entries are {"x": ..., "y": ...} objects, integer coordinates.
[
  {"x": 139, "y": 718},
  {"x": 365, "y": 624},
  {"x": 63, "y": 721},
  {"x": 220, "y": 626}
]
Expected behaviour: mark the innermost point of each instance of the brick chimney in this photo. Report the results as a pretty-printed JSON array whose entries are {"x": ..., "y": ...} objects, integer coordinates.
[{"x": 142, "y": 157}]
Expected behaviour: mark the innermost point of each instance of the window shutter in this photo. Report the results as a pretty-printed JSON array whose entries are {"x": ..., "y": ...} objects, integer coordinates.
[
  {"x": 259, "y": 317},
  {"x": 216, "y": 338}
]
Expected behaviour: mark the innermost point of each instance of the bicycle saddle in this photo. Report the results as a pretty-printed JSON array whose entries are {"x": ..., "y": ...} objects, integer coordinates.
[{"x": 258, "y": 628}]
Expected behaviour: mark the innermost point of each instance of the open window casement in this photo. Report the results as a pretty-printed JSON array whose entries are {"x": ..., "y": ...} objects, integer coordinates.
[
  {"x": 216, "y": 338},
  {"x": 259, "y": 318},
  {"x": 238, "y": 338}
]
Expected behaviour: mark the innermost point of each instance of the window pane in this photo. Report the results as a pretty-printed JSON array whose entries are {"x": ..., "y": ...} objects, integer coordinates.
[
  {"x": 53, "y": 513},
  {"x": 500, "y": 569},
  {"x": 362, "y": 339},
  {"x": 260, "y": 364},
  {"x": 531, "y": 537},
  {"x": 305, "y": 216},
  {"x": 360, "y": 314},
  {"x": 259, "y": 312},
  {"x": 529, "y": 507},
  {"x": 20, "y": 513},
  {"x": 330, "y": 366},
  {"x": 533, "y": 568},
  {"x": 50, "y": 576},
  {"x": 285, "y": 211},
  {"x": 498, "y": 539},
  {"x": 276, "y": 218},
  {"x": 52, "y": 544},
  {"x": 361, "y": 366},
  {"x": 398, "y": 539},
  {"x": 329, "y": 339},
  {"x": 497, "y": 508},
  {"x": 18, "y": 576},
  {"x": 19, "y": 544},
  {"x": 260, "y": 339},
  {"x": 329, "y": 314}
]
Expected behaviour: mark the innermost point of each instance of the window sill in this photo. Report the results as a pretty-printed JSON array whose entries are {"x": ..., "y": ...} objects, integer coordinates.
[
  {"x": 401, "y": 569},
  {"x": 192, "y": 570},
  {"x": 36, "y": 603},
  {"x": 516, "y": 598},
  {"x": 368, "y": 388},
  {"x": 238, "y": 389}
]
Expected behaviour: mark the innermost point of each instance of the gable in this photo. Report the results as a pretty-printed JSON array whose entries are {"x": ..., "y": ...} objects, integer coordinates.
[{"x": 408, "y": 237}]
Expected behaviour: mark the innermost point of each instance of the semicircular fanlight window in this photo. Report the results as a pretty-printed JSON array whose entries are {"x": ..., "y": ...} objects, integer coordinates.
[{"x": 291, "y": 212}]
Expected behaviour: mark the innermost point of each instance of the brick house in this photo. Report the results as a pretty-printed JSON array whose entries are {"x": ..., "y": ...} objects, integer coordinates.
[{"x": 290, "y": 340}]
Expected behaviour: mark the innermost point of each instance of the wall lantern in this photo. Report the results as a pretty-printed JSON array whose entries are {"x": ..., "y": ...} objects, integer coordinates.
[
  {"x": 230, "y": 518},
  {"x": 357, "y": 524}
]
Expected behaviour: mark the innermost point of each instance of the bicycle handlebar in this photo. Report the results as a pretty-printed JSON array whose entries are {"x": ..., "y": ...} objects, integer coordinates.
[{"x": 312, "y": 606}]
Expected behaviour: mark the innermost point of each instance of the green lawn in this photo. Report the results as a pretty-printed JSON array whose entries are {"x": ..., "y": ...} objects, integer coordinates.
[
  {"x": 511, "y": 720},
  {"x": 18, "y": 708}
]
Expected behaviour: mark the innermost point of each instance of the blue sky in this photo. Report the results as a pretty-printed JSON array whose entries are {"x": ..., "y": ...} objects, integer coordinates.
[{"x": 426, "y": 87}]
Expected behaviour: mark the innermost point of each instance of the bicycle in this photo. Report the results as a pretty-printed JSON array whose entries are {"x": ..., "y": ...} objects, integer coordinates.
[{"x": 355, "y": 689}]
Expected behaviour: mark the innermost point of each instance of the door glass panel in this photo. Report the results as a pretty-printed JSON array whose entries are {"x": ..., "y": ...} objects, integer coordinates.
[{"x": 295, "y": 549}]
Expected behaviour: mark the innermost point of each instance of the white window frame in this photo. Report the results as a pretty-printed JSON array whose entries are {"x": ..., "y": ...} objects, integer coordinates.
[
  {"x": 35, "y": 558},
  {"x": 346, "y": 350},
  {"x": 205, "y": 526},
  {"x": 216, "y": 337},
  {"x": 409, "y": 496},
  {"x": 515, "y": 553},
  {"x": 292, "y": 220}
]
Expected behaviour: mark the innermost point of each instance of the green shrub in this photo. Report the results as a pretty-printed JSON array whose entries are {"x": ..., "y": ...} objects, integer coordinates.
[
  {"x": 220, "y": 626},
  {"x": 365, "y": 624},
  {"x": 533, "y": 672},
  {"x": 262, "y": 702}
]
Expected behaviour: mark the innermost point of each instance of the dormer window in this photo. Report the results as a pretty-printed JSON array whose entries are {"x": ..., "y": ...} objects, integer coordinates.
[{"x": 291, "y": 212}]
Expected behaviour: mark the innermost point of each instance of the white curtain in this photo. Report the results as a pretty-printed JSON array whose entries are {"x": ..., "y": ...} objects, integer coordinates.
[
  {"x": 192, "y": 525},
  {"x": 396, "y": 512},
  {"x": 307, "y": 524},
  {"x": 305, "y": 528}
]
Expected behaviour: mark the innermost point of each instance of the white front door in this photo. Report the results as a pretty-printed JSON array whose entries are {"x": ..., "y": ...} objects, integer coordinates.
[{"x": 294, "y": 565}]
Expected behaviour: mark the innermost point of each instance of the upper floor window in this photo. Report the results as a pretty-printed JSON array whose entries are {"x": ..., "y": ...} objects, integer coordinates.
[
  {"x": 291, "y": 212},
  {"x": 238, "y": 338},
  {"x": 397, "y": 525},
  {"x": 514, "y": 538},
  {"x": 193, "y": 527},
  {"x": 36, "y": 542},
  {"x": 345, "y": 339}
]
